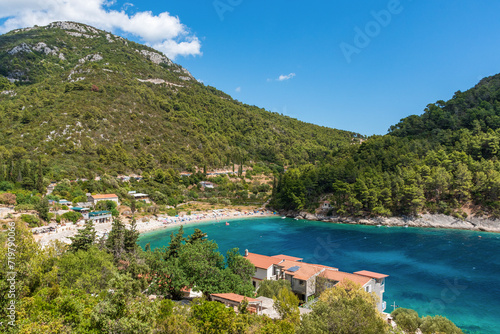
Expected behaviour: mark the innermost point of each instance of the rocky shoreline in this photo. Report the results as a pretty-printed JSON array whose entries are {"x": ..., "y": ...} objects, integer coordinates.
[{"x": 483, "y": 224}]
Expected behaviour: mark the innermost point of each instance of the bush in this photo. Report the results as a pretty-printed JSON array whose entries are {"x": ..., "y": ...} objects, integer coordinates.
[
  {"x": 72, "y": 216},
  {"x": 7, "y": 198},
  {"x": 6, "y": 185},
  {"x": 408, "y": 320},
  {"x": 439, "y": 324},
  {"x": 24, "y": 207},
  {"x": 32, "y": 220}
]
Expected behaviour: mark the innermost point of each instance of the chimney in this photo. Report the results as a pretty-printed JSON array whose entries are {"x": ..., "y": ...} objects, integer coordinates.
[{"x": 246, "y": 252}]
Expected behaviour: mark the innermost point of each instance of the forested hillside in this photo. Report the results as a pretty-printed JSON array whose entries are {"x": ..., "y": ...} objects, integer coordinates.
[
  {"x": 444, "y": 161},
  {"x": 87, "y": 100}
]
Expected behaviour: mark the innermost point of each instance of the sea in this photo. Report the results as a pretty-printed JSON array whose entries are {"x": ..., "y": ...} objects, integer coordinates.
[{"x": 433, "y": 271}]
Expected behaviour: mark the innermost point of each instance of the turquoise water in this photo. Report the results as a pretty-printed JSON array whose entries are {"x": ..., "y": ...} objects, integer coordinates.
[{"x": 434, "y": 271}]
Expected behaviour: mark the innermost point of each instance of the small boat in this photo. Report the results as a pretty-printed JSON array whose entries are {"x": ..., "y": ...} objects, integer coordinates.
[
  {"x": 283, "y": 217},
  {"x": 379, "y": 225}
]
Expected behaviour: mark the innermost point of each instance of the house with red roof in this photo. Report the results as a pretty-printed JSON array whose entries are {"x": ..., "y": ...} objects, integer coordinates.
[
  {"x": 308, "y": 279},
  {"x": 233, "y": 300},
  {"x": 102, "y": 197},
  {"x": 266, "y": 267},
  {"x": 378, "y": 287}
]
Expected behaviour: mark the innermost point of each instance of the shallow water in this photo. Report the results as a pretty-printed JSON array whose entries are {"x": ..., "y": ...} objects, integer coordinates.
[{"x": 434, "y": 271}]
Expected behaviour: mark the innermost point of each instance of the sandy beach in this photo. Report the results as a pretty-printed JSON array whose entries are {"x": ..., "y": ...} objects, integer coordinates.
[{"x": 152, "y": 223}]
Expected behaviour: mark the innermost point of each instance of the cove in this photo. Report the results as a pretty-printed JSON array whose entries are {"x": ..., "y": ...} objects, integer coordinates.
[{"x": 433, "y": 271}]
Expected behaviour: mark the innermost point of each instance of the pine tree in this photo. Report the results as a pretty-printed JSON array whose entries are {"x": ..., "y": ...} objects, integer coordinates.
[
  {"x": 84, "y": 239},
  {"x": 131, "y": 237},
  {"x": 39, "y": 180},
  {"x": 43, "y": 209},
  {"x": 197, "y": 236},
  {"x": 115, "y": 243},
  {"x": 175, "y": 243}
]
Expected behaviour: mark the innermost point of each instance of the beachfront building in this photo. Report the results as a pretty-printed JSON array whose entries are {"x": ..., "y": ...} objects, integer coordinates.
[
  {"x": 83, "y": 211},
  {"x": 94, "y": 199},
  {"x": 100, "y": 216},
  {"x": 308, "y": 279},
  {"x": 378, "y": 287},
  {"x": 266, "y": 267},
  {"x": 302, "y": 277},
  {"x": 233, "y": 300}
]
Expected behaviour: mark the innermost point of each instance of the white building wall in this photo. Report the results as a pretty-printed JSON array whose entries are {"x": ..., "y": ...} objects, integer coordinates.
[
  {"x": 107, "y": 199},
  {"x": 261, "y": 273}
]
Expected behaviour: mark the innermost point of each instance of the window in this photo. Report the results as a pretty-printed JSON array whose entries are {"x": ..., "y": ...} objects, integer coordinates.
[
  {"x": 301, "y": 282},
  {"x": 368, "y": 288}
]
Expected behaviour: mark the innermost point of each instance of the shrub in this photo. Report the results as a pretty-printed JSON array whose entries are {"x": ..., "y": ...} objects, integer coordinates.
[
  {"x": 408, "y": 320},
  {"x": 439, "y": 324},
  {"x": 32, "y": 220},
  {"x": 8, "y": 198}
]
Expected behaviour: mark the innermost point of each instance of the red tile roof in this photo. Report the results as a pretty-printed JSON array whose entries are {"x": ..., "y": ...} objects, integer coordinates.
[
  {"x": 233, "y": 297},
  {"x": 262, "y": 261},
  {"x": 371, "y": 274},
  {"x": 323, "y": 266},
  {"x": 102, "y": 196},
  {"x": 342, "y": 277},
  {"x": 305, "y": 271},
  {"x": 287, "y": 257}
]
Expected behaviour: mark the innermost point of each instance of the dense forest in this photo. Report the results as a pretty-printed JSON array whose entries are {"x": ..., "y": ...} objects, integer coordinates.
[
  {"x": 86, "y": 100},
  {"x": 444, "y": 161}
]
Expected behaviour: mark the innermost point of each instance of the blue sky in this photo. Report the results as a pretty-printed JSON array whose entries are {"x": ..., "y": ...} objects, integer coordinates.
[{"x": 417, "y": 52}]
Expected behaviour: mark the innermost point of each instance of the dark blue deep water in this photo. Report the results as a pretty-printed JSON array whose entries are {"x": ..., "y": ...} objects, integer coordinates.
[{"x": 434, "y": 271}]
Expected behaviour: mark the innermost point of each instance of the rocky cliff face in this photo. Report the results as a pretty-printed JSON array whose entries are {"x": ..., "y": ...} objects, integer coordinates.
[{"x": 60, "y": 44}]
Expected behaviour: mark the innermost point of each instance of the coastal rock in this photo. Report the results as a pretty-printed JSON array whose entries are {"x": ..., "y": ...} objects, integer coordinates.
[{"x": 484, "y": 224}]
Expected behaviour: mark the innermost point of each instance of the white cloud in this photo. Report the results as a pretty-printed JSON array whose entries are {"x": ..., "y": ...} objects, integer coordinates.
[
  {"x": 162, "y": 31},
  {"x": 238, "y": 89},
  {"x": 286, "y": 77}
]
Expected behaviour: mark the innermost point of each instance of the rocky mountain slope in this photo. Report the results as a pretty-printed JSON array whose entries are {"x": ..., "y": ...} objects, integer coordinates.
[{"x": 85, "y": 99}]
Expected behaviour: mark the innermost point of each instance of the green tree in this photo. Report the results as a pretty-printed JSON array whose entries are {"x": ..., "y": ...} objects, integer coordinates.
[
  {"x": 89, "y": 271},
  {"x": 270, "y": 289},
  {"x": 115, "y": 244},
  {"x": 439, "y": 324},
  {"x": 212, "y": 317},
  {"x": 239, "y": 265},
  {"x": 197, "y": 236},
  {"x": 72, "y": 216},
  {"x": 408, "y": 320},
  {"x": 42, "y": 208},
  {"x": 286, "y": 303},
  {"x": 175, "y": 243},
  {"x": 344, "y": 310},
  {"x": 202, "y": 264},
  {"x": 84, "y": 238}
]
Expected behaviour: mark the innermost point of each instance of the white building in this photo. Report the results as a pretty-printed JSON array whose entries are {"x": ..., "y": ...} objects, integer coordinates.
[{"x": 94, "y": 199}]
